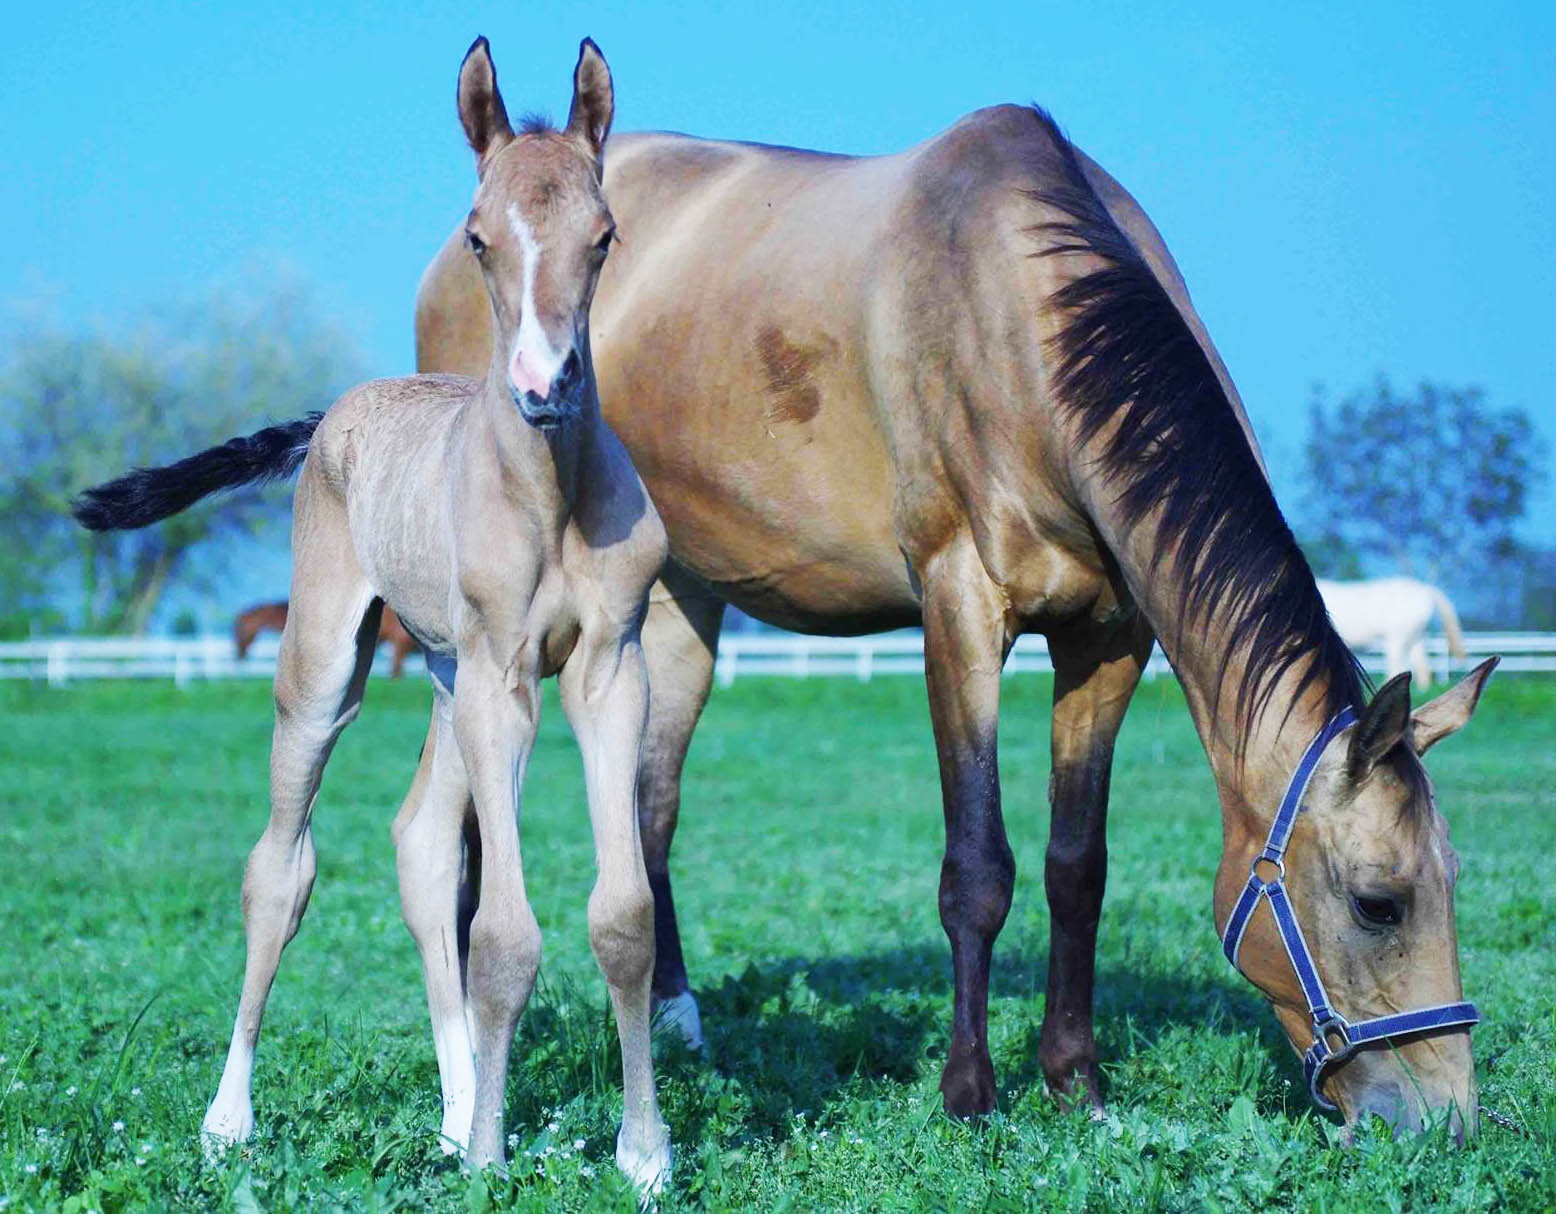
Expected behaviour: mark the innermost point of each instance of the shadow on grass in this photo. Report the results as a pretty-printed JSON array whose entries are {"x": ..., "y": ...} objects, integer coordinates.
[{"x": 797, "y": 1032}]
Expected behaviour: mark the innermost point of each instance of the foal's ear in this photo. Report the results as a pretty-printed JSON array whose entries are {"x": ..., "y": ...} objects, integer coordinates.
[
  {"x": 1451, "y": 711},
  {"x": 594, "y": 100},
  {"x": 481, "y": 111},
  {"x": 1381, "y": 726}
]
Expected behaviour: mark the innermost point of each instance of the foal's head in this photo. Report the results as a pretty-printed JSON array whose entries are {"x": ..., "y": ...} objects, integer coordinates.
[
  {"x": 1371, "y": 874},
  {"x": 540, "y": 230}
]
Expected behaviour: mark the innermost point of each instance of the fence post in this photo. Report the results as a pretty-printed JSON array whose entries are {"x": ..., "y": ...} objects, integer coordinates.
[
  {"x": 864, "y": 663},
  {"x": 57, "y": 666}
]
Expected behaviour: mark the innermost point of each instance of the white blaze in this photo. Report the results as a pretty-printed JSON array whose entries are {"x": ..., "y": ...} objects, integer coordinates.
[{"x": 534, "y": 363}]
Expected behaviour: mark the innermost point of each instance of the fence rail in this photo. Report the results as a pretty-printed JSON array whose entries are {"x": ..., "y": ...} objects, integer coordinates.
[{"x": 64, "y": 660}]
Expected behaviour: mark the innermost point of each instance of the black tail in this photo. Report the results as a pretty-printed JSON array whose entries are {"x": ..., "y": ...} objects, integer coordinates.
[{"x": 148, "y": 495}]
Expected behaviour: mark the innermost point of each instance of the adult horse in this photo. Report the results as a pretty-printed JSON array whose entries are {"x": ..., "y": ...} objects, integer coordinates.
[
  {"x": 271, "y": 617},
  {"x": 1394, "y": 614},
  {"x": 963, "y": 385}
]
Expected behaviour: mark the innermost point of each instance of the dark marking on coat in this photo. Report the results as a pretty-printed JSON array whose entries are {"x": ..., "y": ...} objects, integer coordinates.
[{"x": 794, "y": 396}]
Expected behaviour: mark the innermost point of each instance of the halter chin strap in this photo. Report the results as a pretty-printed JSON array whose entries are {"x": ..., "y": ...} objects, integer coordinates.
[{"x": 1334, "y": 1037}]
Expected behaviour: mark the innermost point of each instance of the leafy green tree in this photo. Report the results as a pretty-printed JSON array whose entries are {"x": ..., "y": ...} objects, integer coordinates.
[
  {"x": 77, "y": 408},
  {"x": 1430, "y": 483}
]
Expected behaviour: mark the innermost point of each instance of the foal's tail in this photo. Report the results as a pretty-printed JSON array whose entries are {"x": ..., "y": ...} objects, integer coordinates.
[
  {"x": 1450, "y": 619},
  {"x": 147, "y": 495}
]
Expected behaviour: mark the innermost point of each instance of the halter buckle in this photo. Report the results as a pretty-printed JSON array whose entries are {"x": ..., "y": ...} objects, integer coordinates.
[{"x": 1333, "y": 1031}]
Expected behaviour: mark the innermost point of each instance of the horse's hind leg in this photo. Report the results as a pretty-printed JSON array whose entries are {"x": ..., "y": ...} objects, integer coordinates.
[
  {"x": 437, "y": 902},
  {"x": 1420, "y": 665},
  {"x": 326, "y": 652},
  {"x": 1095, "y": 674},
  {"x": 965, "y": 640},
  {"x": 680, "y": 639}
]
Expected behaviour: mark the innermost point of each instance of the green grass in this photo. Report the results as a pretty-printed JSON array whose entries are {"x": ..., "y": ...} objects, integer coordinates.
[{"x": 806, "y": 869}]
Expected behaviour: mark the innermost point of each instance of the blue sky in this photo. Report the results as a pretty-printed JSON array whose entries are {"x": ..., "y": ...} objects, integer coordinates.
[{"x": 1347, "y": 188}]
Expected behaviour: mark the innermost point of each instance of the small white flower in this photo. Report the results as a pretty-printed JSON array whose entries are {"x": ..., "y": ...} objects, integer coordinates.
[
  {"x": 586, "y": 1171},
  {"x": 71, "y": 1090},
  {"x": 513, "y": 1142},
  {"x": 32, "y": 1169},
  {"x": 118, "y": 1127},
  {"x": 578, "y": 1144},
  {"x": 146, "y": 1148},
  {"x": 553, "y": 1126},
  {"x": 133, "y": 1091},
  {"x": 18, "y": 1086}
]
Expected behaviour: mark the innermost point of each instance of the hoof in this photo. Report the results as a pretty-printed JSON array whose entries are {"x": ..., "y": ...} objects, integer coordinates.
[
  {"x": 223, "y": 1129},
  {"x": 1078, "y": 1090},
  {"x": 647, "y": 1170},
  {"x": 967, "y": 1086},
  {"x": 454, "y": 1136},
  {"x": 679, "y": 1014}
]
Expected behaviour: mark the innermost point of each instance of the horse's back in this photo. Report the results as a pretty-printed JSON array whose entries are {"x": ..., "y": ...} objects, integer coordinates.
[{"x": 814, "y": 358}]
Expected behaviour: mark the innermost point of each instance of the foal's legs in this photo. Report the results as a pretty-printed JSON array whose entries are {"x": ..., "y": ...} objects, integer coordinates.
[
  {"x": 496, "y": 714},
  {"x": 605, "y": 694},
  {"x": 680, "y": 640},
  {"x": 965, "y": 642},
  {"x": 437, "y": 902},
  {"x": 326, "y": 653},
  {"x": 1095, "y": 674}
]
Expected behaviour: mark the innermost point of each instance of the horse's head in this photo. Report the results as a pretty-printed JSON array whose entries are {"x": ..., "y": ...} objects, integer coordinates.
[
  {"x": 1370, "y": 876},
  {"x": 540, "y": 229}
]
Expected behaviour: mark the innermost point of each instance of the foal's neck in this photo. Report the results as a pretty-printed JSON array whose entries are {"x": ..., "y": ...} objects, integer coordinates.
[{"x": 540, "y": 468}]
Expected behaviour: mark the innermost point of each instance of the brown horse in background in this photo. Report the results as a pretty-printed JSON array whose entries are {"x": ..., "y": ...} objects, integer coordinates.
[
  {"x": 964, "y": 386},
  {"x": 271, "y": 617}
]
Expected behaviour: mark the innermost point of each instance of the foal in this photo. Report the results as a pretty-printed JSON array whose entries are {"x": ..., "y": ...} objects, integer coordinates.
[{"x": 506, "y": 526}]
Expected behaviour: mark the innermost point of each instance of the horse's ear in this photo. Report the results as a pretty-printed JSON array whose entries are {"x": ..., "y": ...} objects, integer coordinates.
[
  {"x": 481, "y": 111},
  {"x": 594, "y": 100},
  {"x": 1381, "y": 727},
  {"x": 1451, "y": 711}
]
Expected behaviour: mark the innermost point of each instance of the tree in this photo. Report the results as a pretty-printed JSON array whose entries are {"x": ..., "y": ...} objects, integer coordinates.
[
  {"x": 77, "y": 408},
  {"x": 1430, "y": 483}
]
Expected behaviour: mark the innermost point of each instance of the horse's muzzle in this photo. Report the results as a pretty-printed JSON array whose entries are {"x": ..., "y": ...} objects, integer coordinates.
[{"x": 561, "y": 403}]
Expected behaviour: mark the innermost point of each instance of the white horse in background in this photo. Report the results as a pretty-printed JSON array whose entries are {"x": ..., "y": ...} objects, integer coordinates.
[{"x": 1393, "y": 614}]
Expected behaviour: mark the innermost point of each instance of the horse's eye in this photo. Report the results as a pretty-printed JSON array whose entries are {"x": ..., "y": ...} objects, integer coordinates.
[
  {"x": 1376, "y": 912},
  {"x": 602, "y": 246},
  {"x": 477, "y": 245}
]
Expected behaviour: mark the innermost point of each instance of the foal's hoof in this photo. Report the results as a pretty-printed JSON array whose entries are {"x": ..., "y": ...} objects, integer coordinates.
[
  {"x": 967, "y": 1086},
  {"x": 224, "y": 1128},
  {"x": 679, "y": 1014},
  {"x": 647, "y": 1169}
]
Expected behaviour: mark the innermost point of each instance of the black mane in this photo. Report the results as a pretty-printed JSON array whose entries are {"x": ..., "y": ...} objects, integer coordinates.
[
  {"x": 535, "y": 123},
  {"x": 1126, "y": 358}
]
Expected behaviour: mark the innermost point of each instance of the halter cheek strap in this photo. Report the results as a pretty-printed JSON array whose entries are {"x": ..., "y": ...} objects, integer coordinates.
[{"x": 1334, "y": 1037}]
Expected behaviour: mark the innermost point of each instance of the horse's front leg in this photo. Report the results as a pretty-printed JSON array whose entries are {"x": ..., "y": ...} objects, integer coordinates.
[
  {"x": 680, "y": 640},
  {"x": 496, "y": 714},
  {"x": 965, "y": 641},
  {"x": 605, "y": 695},
  {"x": 1095, "y": 674}
]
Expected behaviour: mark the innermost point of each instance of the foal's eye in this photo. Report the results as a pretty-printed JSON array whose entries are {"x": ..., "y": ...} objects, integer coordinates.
[
  {"x": 602, "y": 246},
  {"x": 1376, "y": 912},
  {"x": 477, "y": 245}
]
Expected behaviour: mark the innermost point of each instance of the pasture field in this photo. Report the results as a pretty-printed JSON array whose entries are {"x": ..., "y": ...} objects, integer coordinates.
[{"x": 806, "y": 870}]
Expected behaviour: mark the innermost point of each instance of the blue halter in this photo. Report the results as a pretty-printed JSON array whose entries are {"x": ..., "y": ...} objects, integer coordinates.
[{"x": 1334, "y": 1037}]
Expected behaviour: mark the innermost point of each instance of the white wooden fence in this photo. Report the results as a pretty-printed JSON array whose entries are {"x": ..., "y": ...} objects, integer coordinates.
[{"x": 64, "y": 660}]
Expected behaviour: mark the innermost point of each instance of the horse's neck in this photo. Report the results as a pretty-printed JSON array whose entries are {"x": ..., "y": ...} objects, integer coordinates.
[
  {"x": 1251, "y": 753},
  {"x": 540, "y": 468}
]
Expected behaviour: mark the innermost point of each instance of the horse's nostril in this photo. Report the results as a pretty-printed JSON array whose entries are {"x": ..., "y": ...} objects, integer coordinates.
[{"x": 572, "y": 371}]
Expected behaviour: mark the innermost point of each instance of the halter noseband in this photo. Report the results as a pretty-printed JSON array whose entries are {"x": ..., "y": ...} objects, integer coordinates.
[{"x": 1334, "y": 1037}]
